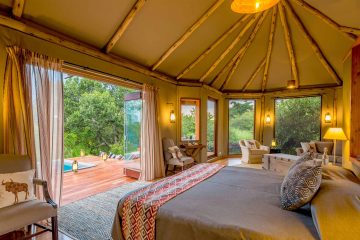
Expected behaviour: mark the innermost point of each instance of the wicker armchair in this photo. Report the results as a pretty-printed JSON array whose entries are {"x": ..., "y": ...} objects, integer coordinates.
[{"x": 252, "y": 151}]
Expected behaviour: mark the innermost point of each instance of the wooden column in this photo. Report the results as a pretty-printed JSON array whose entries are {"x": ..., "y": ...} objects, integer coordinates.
[{"x": 355, "y": 102}]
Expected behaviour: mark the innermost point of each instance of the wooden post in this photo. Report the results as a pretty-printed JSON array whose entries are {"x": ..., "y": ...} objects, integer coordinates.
[
  {"x": 355, "y": 103},
  {"x": 213, "y": 46},
  {"x": 253, "y": 76},
  {"x": 124, "y": 25},
  {"x": 18, "y": 8},
  {"x": 269, "y": 50},
  {"x": 243, "y": 50},
  {"x": 348, "y": 31},
  {"x": 289, "y": 45},
  {"x": 187, "y": 34},
  {"x": 232, "y": 45},
  {"x": 315, "y": 47},
  {"x": 70, "y": 43}
]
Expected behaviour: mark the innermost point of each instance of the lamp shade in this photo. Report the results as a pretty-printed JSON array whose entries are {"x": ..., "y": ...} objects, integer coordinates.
[
  {"x": 252, "y": 6},
  {"x": 335, "y": 134}
]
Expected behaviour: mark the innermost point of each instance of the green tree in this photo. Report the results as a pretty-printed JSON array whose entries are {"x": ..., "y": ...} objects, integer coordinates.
[
  {"x": 297, "y": 120},
  {"x": 93, "y": 116}
]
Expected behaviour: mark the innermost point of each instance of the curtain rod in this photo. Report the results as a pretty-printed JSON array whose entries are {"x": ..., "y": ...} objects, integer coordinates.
[{"x": 74, "y": 68}]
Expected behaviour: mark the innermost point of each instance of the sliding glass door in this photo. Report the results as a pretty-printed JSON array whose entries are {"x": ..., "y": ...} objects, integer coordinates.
[
  {"x": 241, "y": 123},
  {"x": 211, "y": 127}
]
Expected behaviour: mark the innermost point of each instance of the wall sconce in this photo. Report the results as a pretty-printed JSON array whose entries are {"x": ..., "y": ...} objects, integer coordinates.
[
  {"x": 75, "y": 166},
  {"x": 273, "y": 142},
  {"x": 268, "y": 119},
  {"x": 172, "y": 116},
  {"x": 328, "y": 118}
]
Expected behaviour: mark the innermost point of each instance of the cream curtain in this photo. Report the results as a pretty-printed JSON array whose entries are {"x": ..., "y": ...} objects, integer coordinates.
[
  {"x": 152, "y": 160},
  {"x": 43, "y": 90},
  {"x": 17, "y": 118}
]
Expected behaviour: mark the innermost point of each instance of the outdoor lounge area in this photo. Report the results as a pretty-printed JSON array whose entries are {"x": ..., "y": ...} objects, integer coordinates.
[{"x": 179, "y": 120}]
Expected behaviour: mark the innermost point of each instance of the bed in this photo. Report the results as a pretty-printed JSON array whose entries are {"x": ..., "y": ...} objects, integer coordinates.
[{"x": 235, "y": 203}]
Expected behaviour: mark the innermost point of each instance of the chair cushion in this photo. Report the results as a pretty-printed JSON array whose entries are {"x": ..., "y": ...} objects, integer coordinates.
[
  {"x": 320, "y": 146},
  {"x": 181, "y": 162},
  {"x": 258, "y": 151},
  {"x": 23, "y": 214}
]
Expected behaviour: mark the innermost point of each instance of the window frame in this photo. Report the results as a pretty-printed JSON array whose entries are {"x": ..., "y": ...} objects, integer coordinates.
[
  {"x": 254, "y": 128},
  {"x": 198, "y": 115},
  {"x": 215, "y": 128},
  {"x": 301, "y": 96}
]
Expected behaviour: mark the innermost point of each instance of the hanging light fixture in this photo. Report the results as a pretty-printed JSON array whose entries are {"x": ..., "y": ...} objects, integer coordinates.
[
  {"x": 252, "y": 6},
  {"x": 291, "y": 84}
]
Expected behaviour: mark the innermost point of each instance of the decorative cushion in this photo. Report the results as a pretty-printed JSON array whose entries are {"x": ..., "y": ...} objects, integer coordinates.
[
  {"x": 300, "y": 185},
  {"x": 175, "y": 152},
  {"x": 306, "y": 157},
  {"x": 320, "y": 146},
  {"x": 250, "y": 144},
  {"x": 16, "y": 188},
  {"x": 308, "y": 147}
]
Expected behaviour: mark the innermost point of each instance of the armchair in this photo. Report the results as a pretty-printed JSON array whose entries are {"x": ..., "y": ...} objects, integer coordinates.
[
  {"x": 170, "y": 160},
  {"x": 31, "y": 212},
  {"x": 252, "y": 151}
]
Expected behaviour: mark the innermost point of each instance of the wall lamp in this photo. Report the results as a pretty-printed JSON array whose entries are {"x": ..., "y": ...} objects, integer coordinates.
[
  {"x": 328, "y": 118},
  {"x": 268, "y": 119},
  {"x": 172, "y": 113}
]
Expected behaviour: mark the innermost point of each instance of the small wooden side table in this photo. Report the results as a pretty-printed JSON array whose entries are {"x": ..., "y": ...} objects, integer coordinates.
[{"x": 192, "y": 150}]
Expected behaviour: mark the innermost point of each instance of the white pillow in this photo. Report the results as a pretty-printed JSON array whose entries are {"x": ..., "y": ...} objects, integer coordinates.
[
  {"x": 16, "y": 188},
  {"x": 305, "y": 146},
  {"x": 175, "y": 152}
]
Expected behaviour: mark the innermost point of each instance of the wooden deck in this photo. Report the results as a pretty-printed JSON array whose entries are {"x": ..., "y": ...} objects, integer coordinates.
[{"x": 90, "y": 181}]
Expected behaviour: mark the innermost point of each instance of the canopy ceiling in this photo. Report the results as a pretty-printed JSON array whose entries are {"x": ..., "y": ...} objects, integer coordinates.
[{"x": 204, "y": 41}]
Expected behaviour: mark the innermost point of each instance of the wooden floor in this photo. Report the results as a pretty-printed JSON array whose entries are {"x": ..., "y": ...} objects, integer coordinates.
[
  {"x": 104, "y": 176},
  {"x": 88, "y": 181}
]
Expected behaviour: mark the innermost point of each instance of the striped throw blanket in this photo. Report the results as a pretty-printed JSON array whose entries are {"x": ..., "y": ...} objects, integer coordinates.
[{"x": 140, "y": 208}]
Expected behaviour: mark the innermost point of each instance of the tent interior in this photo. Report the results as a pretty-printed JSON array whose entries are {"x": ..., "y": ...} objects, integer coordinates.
[{"x": 200, "y": 50}]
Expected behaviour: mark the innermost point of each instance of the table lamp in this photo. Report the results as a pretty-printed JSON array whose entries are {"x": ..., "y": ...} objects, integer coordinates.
[{"x": 335, "y": 134}]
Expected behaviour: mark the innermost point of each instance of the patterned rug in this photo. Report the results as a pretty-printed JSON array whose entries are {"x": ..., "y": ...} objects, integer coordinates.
[{"x": 92, "y": 217}]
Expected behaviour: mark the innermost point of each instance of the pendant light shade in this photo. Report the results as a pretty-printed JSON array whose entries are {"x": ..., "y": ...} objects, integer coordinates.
[{"x": 252, "y": 6}]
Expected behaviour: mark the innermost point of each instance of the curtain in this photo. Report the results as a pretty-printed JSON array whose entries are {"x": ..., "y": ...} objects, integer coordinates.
[
  {"x": 17, "y": 118},
  {"x": 43, "y": 90},
  {"x": 151, "y": 160}
]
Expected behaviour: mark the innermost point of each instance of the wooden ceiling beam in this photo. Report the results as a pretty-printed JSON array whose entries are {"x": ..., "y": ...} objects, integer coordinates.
[
  {"x": 18, "y": 8},
  {"x": 232, "y": 45},
  {"x": 253, "y": 76},
  {"x": 269, "y": 50},
  {"x": 213, "y": 46},
  {"x": 188, "y": 33},
  {"x": 124, "y": 25},
  {"x": 243, "y": 50},
  {"x": 289, "y": 45},
  {"x": 348, "y": 31},
  {"x": 83, "y": 48},
  {"x": 315, "y": 47}
]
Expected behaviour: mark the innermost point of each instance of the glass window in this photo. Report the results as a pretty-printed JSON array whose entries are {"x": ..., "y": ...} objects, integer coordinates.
[
  {"x": 241, "y": 123},
  {"x": 211, "y": 127},
  {"x": 190, "y": 119},
  {"x": 297, "y": 120}
]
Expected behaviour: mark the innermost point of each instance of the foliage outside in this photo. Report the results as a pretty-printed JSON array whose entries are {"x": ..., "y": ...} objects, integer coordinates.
[
  {"x": 241, "y": 123},
  {"x": 297, "y": 120},
  {"x": 188, "y": 122},
  {"x": 211, "y": 127},
  {"x": 93, "y": 117}
]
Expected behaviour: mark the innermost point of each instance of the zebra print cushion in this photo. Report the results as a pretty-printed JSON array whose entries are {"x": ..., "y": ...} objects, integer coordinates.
[{"x": 300, "y": 185}]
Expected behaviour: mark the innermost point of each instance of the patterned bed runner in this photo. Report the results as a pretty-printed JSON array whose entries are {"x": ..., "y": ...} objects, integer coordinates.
[{"x": 140, "y": 208}]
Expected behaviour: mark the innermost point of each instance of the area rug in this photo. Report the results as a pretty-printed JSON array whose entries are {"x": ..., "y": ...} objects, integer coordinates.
[{"x": 92, "y": 217}]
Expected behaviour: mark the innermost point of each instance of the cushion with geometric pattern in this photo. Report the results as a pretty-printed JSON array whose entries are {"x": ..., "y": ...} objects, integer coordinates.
[{"x": 300, "y": 184}]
